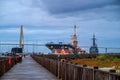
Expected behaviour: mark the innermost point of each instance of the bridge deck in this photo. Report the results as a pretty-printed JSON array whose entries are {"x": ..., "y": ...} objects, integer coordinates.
[{"x": 28, "y": 70}]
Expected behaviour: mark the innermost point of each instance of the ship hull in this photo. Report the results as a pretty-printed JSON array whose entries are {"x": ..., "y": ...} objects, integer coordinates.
[{"x": 61, "y": 48}]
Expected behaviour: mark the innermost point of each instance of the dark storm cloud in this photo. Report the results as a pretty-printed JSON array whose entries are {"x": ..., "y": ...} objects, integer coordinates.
[
  {"x": 64, "y": 6},
  {"x": 53, "y": 20}
]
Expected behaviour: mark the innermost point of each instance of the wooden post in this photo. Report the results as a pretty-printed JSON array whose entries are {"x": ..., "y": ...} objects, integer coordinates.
[
  {"x": 112, "y": 77},
  {"x": 94, "y": 68},
  {"x": 58, "y": 66},
  {"x": 83, "y": 75},
  {"x": 112, "y": 71}
]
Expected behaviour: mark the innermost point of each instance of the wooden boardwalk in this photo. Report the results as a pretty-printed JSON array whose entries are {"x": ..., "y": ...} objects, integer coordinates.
[{"x": 28, "y": 70}]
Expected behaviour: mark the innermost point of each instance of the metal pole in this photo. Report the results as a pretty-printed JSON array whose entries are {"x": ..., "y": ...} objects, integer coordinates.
[
  {"x": 0, "y": 46},
  {"x": 36, "y": 46},
  {"x": 33, "y": 48}
]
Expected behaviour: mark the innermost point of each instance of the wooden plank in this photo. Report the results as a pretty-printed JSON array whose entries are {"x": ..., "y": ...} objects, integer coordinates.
[{"x": 28, "y": 70}]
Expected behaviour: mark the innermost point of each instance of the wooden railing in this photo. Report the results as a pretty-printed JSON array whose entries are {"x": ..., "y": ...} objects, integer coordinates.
[
  {"x": 6, "y": 64},
  {"x": 70, "y": 71}
]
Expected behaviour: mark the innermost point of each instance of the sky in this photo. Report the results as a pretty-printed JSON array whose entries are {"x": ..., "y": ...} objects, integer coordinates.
[{"x": 53, "y": 21}]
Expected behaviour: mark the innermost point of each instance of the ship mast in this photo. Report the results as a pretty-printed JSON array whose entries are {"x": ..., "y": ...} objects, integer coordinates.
[
  {"x": 74, "y": 38},
  {"x": 75, "y": 31},
  {"x": 75, "y": 42},
  {"x": 94, "y": 39}
]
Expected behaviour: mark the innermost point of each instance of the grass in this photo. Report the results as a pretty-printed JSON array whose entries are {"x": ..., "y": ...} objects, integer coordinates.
[{"x": 100, "y": 61}]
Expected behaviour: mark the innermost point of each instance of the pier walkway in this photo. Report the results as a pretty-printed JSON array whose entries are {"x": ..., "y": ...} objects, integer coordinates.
[{"x": 28, "y": 70}]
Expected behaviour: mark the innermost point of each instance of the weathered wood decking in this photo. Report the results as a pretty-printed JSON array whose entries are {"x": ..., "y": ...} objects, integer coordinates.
[{"x": 28, "y": 70}]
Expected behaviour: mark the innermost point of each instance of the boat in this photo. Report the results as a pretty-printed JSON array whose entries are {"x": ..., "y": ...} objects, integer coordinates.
[{"x": 63, "y": 48}]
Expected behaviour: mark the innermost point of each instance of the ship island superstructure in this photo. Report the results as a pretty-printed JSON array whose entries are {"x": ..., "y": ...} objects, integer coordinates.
[
  {"x": 62, "y": 48},
  {"x": 94, "y": 48}
]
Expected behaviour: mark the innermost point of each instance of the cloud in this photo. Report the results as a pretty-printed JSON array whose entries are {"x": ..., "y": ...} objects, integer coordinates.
[
  {"x": 21, "y": 12},
  {"x": 55, "y": 13},
  {"x": 47, "y": 20},
  {"x": 61, "y": 6},
  {"x": 9, "y": 30},
  {"x": 33, "y": 31},
  {"x": 80, "y": 10}
]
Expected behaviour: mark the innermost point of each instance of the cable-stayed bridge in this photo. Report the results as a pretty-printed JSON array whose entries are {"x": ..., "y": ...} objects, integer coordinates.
[{"x": 39, "y": 46}]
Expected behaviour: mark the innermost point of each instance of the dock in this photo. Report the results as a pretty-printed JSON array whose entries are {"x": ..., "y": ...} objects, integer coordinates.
[{"x": 28, "y": 69}]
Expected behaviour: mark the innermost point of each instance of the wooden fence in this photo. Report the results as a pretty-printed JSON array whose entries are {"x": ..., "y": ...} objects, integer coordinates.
[
  {"x": 70, "y": 71},
  {"x": 68, "y": 57},
  {"x": 6, "y": 64}
]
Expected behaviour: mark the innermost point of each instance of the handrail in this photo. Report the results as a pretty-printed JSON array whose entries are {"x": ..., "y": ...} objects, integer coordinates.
[{"x": 70, "y": 71}]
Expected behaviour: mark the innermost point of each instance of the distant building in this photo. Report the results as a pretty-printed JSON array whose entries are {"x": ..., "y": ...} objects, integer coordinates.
[
  {"x": 16, "y": 50},
  {"x": 94, "y": 48}
]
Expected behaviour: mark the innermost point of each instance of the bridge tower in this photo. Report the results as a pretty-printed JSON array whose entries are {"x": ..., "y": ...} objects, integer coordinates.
[
  {"x": 21, "y": 44},
  {"x": 19, "y": 49}
]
